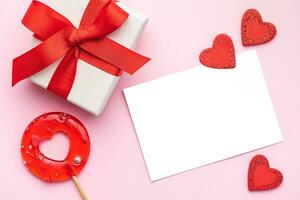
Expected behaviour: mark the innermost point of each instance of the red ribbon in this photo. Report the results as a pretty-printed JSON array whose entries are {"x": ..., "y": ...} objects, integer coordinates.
[{"x": 88, "y": 43}]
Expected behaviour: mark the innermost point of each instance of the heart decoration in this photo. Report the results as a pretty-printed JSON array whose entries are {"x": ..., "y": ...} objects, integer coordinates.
[
  {"x": 49, "y": 148},
  {"x": 261, "y": 176},
  {"x": 221, "y": 55},
  {"x": 254, "y": 30}
]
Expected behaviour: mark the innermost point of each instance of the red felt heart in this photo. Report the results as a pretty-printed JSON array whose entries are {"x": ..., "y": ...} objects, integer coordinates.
[
  {"x": 254, "y": 30},
  {"x": 221, "y": 55},
  {"x": 261, "y": 176}
]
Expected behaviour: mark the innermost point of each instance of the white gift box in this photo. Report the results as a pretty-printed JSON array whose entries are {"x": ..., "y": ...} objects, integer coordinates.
[{"x": 92, "y": 86}]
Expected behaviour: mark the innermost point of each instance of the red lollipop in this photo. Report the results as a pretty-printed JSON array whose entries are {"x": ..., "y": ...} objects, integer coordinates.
[{"x": 47, "y": 169}]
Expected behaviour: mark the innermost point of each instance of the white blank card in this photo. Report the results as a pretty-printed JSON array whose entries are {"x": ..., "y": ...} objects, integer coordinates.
[{"x": 202, "y": 115}]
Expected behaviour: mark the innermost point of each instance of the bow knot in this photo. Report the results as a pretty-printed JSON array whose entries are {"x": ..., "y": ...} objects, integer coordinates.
[{"x": 78, "y": 36}]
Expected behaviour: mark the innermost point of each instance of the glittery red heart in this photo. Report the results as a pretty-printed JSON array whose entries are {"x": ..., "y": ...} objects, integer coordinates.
[
  {"x": 221, "y": 55},
  {"x": 254, "y": 30},
  {"x": 261, "y": 176}
]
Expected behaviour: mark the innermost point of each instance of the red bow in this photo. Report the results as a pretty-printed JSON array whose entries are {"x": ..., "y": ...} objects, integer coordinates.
[{"x": 62, "y": 40}]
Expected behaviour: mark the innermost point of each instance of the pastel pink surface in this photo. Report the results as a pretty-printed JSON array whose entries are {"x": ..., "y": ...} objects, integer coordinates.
[{"x": 176, "y": 33}]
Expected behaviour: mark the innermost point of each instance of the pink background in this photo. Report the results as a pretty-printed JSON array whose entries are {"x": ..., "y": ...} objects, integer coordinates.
[{"x": 174, "y": 37}]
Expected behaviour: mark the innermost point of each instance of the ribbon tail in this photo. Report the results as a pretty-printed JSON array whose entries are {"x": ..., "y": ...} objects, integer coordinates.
[
  {"x": 115, "y": 54},
  {"x": 62, "y": 80}
]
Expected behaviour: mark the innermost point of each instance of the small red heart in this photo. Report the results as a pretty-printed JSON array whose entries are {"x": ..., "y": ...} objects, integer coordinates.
[
  {"x": 254, "y": 30},
  {"x": 221, "y": 55},
  {"x": 261, "y": 176}
]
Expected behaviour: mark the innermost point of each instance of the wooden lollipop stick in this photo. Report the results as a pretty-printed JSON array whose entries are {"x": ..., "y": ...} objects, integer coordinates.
[{"x": 79, "y": 188}]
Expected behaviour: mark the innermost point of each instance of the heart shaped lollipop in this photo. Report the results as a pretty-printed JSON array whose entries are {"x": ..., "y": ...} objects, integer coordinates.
[{"x": 50, "y": 170}]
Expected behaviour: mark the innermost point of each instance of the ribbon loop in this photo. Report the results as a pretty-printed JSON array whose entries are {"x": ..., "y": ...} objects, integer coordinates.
[
  {"x": 62, "y": 40},
  {"x": 43, "y": 21}
]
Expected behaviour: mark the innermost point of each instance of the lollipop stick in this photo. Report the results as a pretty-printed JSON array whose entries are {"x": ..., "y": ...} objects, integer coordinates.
[{"x": 79, "y": 188}]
